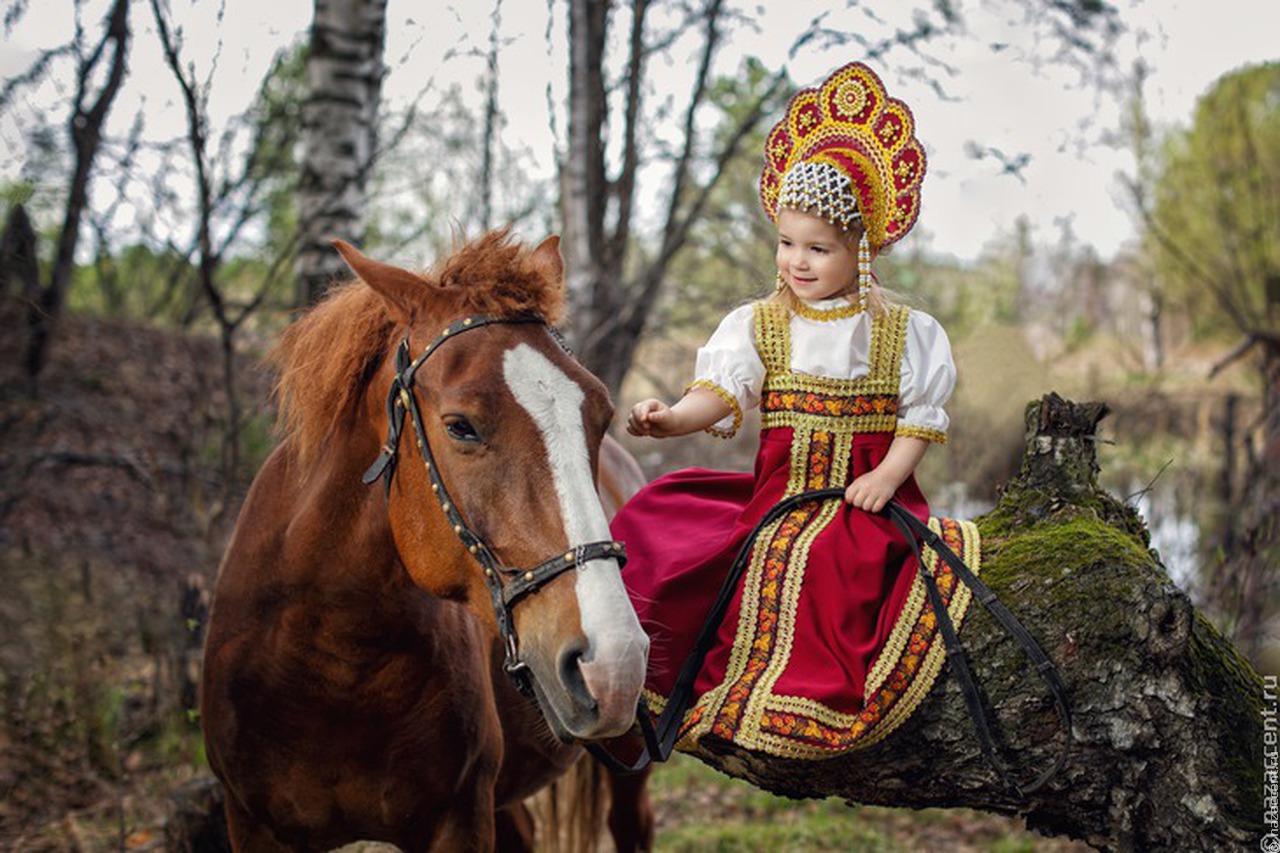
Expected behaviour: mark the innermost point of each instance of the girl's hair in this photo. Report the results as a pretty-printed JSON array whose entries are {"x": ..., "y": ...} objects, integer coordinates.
[{"x": 878, "y": 298}]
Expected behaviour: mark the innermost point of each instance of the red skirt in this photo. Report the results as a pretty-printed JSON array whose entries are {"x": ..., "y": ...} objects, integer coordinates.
[{"x": 816, "y": 620}]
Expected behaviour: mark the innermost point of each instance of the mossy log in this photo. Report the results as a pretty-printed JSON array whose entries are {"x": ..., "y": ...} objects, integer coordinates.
[{"x": 1167, "y": 740}]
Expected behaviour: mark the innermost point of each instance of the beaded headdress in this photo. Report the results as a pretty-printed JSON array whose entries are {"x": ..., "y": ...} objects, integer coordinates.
[{"x": 846, "y": 151}]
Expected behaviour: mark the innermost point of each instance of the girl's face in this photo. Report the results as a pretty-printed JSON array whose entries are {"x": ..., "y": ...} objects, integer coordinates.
[{"x": 816, "y": 259}]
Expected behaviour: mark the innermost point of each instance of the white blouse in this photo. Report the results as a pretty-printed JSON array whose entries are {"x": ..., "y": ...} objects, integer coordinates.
[{"x": 837, "y": 348}]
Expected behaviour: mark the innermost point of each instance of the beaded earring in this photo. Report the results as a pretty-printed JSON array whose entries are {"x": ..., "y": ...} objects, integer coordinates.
[
  {"x": 781, "y": 283},
  {"x": 864, "y": 270}
]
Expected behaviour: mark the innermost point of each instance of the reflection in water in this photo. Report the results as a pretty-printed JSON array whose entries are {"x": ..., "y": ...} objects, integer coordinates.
[{"x": 1175, "y": 533}]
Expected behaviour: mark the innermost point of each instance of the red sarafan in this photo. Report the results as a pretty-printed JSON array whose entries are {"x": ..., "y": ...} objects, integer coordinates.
[{"x": 406, "y": 652}]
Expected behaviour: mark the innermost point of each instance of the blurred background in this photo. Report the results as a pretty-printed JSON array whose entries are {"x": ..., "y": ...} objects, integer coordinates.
[{"x": 1101, "y": 218}]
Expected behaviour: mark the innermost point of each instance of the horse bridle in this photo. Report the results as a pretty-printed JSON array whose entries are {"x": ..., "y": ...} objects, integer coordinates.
[{"x": 507, "y": 585}]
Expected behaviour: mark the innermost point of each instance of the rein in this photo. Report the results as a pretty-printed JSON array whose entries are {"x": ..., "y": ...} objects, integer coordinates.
[
  {"x": 660, "y": 734},
  {"x": 507, "y": 585}
]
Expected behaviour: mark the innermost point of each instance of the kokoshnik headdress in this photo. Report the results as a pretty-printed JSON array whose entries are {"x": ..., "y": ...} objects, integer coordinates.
[{"x": 847, "y": 152}]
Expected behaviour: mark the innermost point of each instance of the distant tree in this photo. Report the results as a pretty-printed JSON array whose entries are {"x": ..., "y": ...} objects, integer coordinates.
[
  {"x": 100, "y": 63},
  {"x": 230, "y": 194},
  {"x": 340, "y": 134},
  {"x": 1213, "y": 227}
]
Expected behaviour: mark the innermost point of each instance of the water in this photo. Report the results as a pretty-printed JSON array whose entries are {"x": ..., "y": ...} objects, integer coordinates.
[
  {"x": 1167, "y": 511},
  {"x": 1175, "y": 532}
]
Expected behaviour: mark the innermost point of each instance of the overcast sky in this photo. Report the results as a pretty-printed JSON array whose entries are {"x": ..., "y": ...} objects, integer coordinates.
[{"x": 995, "y": 99}]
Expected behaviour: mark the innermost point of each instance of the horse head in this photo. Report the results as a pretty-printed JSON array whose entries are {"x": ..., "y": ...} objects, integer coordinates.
[{"x": 491, "y": 497}]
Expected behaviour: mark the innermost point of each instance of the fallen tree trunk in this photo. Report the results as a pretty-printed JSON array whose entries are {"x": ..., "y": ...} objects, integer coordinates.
[{"x": 1167, "y": 736}]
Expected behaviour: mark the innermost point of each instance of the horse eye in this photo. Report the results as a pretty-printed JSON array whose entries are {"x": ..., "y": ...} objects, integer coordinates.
[{"x": 460, "y": 429}]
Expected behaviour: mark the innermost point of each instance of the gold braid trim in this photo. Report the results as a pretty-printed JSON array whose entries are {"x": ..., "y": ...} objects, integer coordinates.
[
  {"x": 847, "y": 732},
  {"x": 888, "y": 338},
  {"x": 729, "y": 399},
  {"x": 934, "y": 435},
  {"x": 823, "y": 315},
  {"x": 773, "y": 337},
  {"x": 836, "y": 456},
  {"x": 956, "y": 608}
]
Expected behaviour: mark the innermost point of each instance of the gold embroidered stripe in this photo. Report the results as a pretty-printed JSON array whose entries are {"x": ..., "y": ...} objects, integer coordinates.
[
  {"x": 829, "y": 405},
  {"x": 935, "y": 435},
  {"x": 729, "y": 400}
]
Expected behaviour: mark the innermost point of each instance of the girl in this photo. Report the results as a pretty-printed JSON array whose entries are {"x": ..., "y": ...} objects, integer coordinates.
[{"x": 851, "y": 391}]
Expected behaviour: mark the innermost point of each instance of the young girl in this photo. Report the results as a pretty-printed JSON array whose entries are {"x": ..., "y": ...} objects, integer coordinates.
[{"x": 851, "y": 391}]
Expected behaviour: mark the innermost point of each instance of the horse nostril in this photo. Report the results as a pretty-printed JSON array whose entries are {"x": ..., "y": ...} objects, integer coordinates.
[{"x": 571, "y": 677}]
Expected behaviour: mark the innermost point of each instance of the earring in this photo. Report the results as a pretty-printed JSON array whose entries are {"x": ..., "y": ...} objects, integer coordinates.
[
  {"x": 781, "y": 283},
  {"x": 864, "y": 270}
]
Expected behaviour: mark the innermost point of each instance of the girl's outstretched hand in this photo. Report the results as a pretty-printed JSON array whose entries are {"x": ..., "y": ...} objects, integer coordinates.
[
  {"x": 872, "y": 491},
  {"x": 649, "y": 417},
  {"x": 697, "y": 409}
]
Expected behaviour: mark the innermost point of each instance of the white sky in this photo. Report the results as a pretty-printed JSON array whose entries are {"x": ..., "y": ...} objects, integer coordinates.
[{"x": 995, "y": 100}]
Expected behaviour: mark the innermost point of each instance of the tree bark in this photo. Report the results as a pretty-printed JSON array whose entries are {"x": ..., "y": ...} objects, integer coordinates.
[
  {"x": 340, "y": 124},
  {"x": 1166, "y": 742}
]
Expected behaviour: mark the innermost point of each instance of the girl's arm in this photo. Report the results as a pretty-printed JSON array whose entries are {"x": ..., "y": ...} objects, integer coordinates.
[
  {"x": 873, "y": 489},
  {"x": 696, "y": 410}
]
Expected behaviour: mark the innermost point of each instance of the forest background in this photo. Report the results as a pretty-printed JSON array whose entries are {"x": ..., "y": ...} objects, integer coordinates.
[{"x": 164, "y": 222}]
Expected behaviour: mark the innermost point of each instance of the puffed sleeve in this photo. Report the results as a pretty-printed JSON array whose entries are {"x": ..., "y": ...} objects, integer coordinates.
[
  {"x": 729, "y": 366},
  {"x": 928, "y": 378}
]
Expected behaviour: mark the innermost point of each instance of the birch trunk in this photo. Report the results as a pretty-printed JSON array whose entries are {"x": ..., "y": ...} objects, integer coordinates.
[{"x": 339, "y": 131}]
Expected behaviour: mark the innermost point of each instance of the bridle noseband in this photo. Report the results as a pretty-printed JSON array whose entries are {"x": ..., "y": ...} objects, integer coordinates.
[{"x": 507, "y": 585}]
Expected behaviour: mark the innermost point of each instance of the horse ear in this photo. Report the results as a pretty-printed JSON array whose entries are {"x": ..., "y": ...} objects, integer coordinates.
[
  {"x": 400, "y": 288},
  {"x": 548, "y": 256}
]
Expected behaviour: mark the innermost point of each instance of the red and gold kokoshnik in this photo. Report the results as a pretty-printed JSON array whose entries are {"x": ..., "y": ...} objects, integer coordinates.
[{"x": 850, "y": 123}]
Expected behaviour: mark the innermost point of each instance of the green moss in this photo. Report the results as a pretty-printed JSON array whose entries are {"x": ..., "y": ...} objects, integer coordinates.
[
  {"x": 1218, "y": 672},
  {"x": 1071, "y": 539},
  {"x": 1022, "y": 506}
]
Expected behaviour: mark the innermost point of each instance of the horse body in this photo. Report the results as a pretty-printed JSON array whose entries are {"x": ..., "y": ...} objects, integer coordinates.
[{"x": 354, "y": 683}]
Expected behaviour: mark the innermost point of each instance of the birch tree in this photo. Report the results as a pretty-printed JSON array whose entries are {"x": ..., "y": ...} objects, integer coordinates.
[{"x": 345, "y": 69}]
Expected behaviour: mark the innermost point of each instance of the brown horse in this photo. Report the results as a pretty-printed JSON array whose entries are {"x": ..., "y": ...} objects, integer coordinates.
[{"x": 354, "y": 684}]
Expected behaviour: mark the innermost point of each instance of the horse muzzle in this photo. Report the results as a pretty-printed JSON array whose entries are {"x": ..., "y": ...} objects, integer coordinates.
[{"x": 589, "y": 686}]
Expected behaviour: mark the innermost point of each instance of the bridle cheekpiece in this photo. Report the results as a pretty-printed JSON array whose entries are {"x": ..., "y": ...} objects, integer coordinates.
[{"x": 507, "y": 585}]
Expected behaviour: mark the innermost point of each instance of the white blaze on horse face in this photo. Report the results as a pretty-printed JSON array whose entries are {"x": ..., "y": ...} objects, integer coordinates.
[{"x": 614, "y": 664}]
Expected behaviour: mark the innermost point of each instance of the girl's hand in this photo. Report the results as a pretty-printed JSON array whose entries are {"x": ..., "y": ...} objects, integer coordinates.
[
  {"x": 872, "y": 491},
  {"x": 697, "y": 409},
  {"x": 649, "y": 417}
]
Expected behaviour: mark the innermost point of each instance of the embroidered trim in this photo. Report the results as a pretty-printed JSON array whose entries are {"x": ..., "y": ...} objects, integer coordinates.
[
  {"x": 773, "y": 338},
  {"x": 770, "y": 631},
  {"x": 728, "y": 398},
  {"x": 829, "y": 405},
  {"x": 823, "y": 315},
  {"x": 928, "y": 434},
  {"x": 797, "y": 727},
  {"x": 888, "y": 339},
  {"x": 806, "y": 383},
  {"x": 829, "y": 465}
]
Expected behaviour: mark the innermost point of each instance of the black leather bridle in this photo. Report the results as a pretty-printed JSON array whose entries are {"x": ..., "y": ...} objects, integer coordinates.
[{"x": 507, "y": 585}]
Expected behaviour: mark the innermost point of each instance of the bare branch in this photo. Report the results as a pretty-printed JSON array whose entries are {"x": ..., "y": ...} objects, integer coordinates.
[{"x": 34, "y": 74}]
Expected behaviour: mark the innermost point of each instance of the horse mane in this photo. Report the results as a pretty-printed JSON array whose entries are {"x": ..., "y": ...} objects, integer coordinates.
[{"x": 327, "y": 358}]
